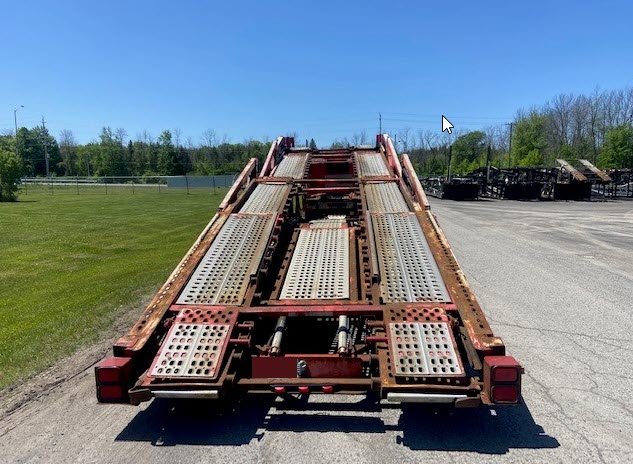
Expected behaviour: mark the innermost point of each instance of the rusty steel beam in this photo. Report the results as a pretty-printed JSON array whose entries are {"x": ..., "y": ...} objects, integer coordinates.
[
  {"x": 416, "y": 187},
  {"x": 328, "y": 190},
  {"x": 243, "y": 178},
  {"x": 472, "y": 316},
  {"x": 392, "y": 156},
  {"x": 270, "y": 161}
]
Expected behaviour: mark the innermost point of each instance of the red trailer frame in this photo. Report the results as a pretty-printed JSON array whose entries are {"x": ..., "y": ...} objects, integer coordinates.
[{"x": 326, "y": 272}]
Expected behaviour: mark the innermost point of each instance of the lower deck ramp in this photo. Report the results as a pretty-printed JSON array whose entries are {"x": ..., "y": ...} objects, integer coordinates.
[
  {"x": 319, "y": 268},
  {"x": 385, "y": 197},
  {"x": 223, "y": 274},
  {"x": 408, "y": 271}
]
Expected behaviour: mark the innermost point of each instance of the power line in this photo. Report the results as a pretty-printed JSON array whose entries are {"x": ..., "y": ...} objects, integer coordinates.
[{"x": 428, "y": 115}]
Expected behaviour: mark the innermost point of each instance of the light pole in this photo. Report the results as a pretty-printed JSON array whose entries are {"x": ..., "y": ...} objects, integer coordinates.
[
  {"x": 511, "y": 124},
  {"x": 15, "y": 121}
]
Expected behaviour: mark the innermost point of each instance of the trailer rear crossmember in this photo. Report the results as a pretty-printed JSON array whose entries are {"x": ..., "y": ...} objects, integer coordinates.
[{"x": 325, "y": 272}]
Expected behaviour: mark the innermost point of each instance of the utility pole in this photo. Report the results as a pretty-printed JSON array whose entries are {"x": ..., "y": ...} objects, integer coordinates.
[
  {"x": 380, "y": 123},
  {"x": 511, "y": 124},
  {"x": 15, "y": 121},
  {"x": 45, "y": 142},
  {"x": 488, "y": 164},
  {"x": 450, "y": 156}
]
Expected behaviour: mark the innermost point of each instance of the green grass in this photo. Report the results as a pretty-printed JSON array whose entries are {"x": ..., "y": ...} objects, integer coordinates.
[{"x": 70, "y": 264}]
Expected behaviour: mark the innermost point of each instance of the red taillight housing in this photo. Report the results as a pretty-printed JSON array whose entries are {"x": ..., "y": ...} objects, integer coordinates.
[
  {"x": 505, "y": 374},
  {"x": 113, "y": 377},
  {"x": 505, "y": 394},
  {"x": 502, "y": 380},
  {"x": 111, "y": 394}
]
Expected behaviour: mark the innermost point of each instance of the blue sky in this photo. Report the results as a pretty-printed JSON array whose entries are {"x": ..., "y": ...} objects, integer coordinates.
[{"x": 321, "y": 69}]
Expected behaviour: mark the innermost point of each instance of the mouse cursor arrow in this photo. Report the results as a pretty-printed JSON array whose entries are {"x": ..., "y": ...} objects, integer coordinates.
[{"x": 446, "y": 125}]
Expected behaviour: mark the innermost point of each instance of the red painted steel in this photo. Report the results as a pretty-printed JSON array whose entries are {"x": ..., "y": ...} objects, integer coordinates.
[
  {"x": 316, "y": 366},
  {"x": 114, "y": 371},
  {"x": 337, "y": 345}
]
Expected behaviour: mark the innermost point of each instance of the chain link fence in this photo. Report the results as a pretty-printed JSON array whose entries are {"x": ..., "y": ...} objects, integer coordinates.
[{"x": 109, "y": 185}]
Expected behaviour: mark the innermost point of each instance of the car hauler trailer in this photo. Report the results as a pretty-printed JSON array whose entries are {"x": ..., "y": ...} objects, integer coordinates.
[{"x": 326, "y": 272}]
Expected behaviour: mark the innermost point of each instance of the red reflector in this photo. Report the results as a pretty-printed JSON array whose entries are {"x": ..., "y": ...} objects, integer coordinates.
[
  {"x": 280, "y": 390},
  {"x": 114, "y": 370},
  {"x": 304, "y": 390},
  {"x": 328, "y": 389},
  {"x": 110, "y": 393},
  {"x": 505, "y": 374},
  {"x": 505, "y": 394},
  {"x": 106, "y": 375}
]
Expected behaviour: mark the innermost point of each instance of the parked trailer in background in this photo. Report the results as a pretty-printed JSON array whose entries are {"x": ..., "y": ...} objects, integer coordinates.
[
  {"x": 456, "y": 188},
  {"x": 326, "y": 272}
]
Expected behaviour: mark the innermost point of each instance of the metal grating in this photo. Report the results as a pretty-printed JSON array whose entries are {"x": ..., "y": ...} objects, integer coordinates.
[
  {"x": 191, "y": 351},
  {"x": 332, "y": 221},
  {"x": 408, "y": 271},
  {"x": 266, "y": 198},
  {"x": 385, "y": 197},
  {"x": 424, "y": 349},
  {"x": 319, "y": 268},
  {"x": 223, "y": 274},
  {"x": 419, "y": 312},
  {"x": 372, "y": 164},
  {"x": 292, "y": 166}
]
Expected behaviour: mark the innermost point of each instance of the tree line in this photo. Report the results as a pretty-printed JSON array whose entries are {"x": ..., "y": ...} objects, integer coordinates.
[
  {"x": 596, "y": 127},
  {"x": 113, "y": 154}
]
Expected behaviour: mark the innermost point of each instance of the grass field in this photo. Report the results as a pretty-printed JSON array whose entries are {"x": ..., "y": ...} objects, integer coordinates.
[{"x": 69, "y": 264}]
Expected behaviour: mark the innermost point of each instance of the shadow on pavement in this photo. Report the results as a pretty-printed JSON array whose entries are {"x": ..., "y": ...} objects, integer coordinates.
[{"x": 482, "y": 430}]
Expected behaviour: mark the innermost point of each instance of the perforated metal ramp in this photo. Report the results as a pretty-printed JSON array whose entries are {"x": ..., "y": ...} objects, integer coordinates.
[
  {"x": 292, "y": 166},
  {"x": 222, "y": 276},
  {"x": 195, "y": 344},
  {"x": 192, "y": 350},
  {"x": 266, "y": 198},
  {"x": 385, "y": 197},
  {"x": 332, "y": 221},
  {"x": 424, "y": 349},
  {"x": 408, "y": 271},
  {"x": 372, "y": 164},
  {"x": 319, "y": 268}
]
